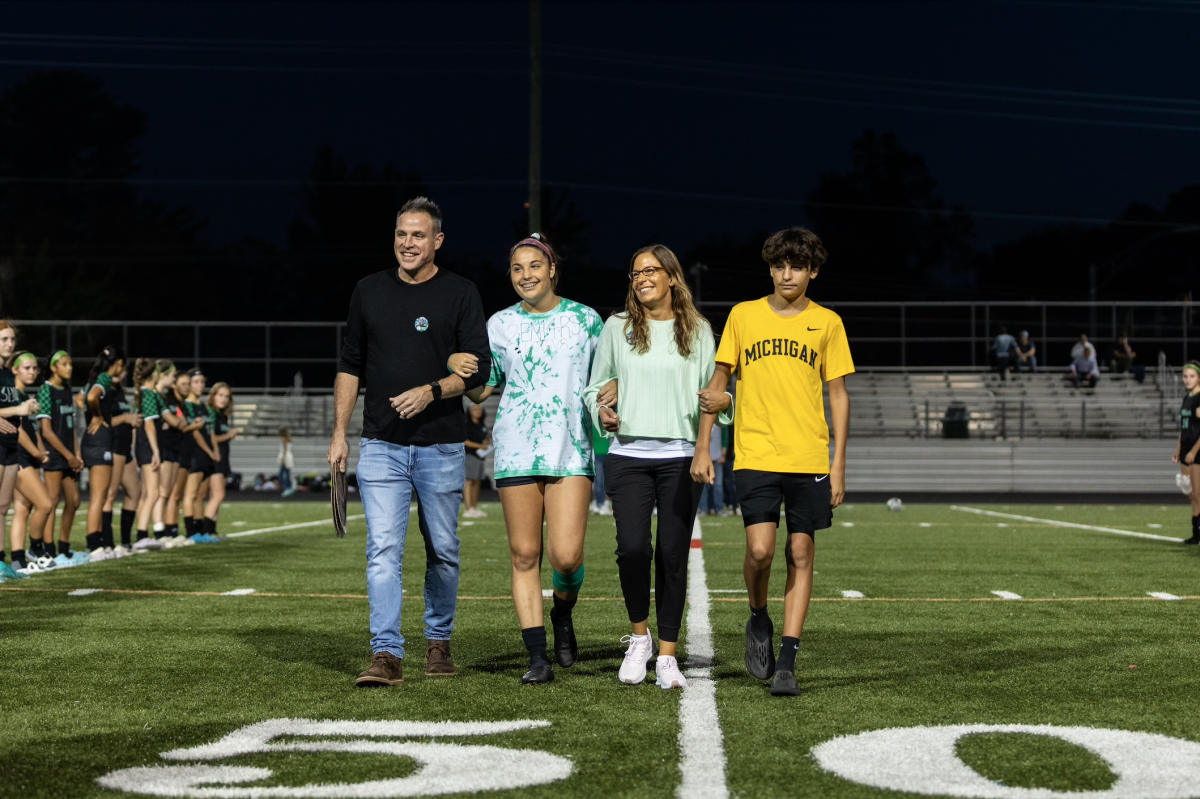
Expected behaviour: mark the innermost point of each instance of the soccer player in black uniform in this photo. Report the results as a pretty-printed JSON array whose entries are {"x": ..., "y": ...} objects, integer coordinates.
[
  {"x": 204, "y": 457},
  {"x": 169, "y": 438},
  {"x": 220, "y": 405},
  {"x": 125, "y": 473},
  {"x": 56, "y": 413},
  {"x": 100, "y": 408},
  {"x": 13, "y": 404},
  {"x": 33, "y": 503},
  {"x": 178, "y": 401},
  {"x": 1187, "y": 451},
  {"x": 150, "y": 403}
]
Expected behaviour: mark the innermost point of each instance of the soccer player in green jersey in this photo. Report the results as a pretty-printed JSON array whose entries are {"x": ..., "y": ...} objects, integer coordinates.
[
  {"x": 13, "y": 403},
  {"x": 220, "y": 408},
  {"x": 150, "y": 404},
  {"x": 33, "y": 504},
  {"x": 56, "y": 412}
]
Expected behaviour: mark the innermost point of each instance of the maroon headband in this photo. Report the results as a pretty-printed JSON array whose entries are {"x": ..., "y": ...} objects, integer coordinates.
[{"x": 531, "y": 242}]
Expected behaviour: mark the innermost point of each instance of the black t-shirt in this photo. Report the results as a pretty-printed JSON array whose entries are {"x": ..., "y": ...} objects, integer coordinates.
[
  {"x": 399, "y": 336},
  {"x": 1189, "y": 423},
  {"x": 169, "y": 436},
  {"x": 221, "y": 427},
  {"x": 9, "y": 397},
  {"x": 58, "y": 405},
  {"x": 1025, "y": 348},
  {"x": 476, "y": 433}
]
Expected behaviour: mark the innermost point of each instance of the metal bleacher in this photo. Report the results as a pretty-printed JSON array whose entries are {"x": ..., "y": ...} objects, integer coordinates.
[{"x": 1025, "y": 406}]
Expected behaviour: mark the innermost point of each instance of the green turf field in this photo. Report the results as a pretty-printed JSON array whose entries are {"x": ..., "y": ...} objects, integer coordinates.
[{"x": 159, "y": 660}]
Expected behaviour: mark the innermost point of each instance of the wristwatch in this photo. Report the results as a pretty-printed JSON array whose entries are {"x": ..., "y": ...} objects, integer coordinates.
[{"x": 436, "y": 388}]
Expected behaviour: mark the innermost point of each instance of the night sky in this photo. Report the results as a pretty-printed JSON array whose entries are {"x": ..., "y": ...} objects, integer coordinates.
[{"x": 670, "y": 121}]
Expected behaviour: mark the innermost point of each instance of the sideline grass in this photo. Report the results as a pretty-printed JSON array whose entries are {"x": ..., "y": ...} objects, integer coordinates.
[{"x": 107, "y": 681}]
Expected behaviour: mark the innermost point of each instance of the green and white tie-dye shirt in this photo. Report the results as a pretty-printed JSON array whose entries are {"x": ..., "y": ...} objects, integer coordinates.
[{"x": 544, "y": 361}]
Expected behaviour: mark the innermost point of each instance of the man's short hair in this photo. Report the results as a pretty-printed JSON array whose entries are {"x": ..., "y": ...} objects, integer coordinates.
[
  {"x": 423, "y": 205},
  {"x": 799, "y": 247}
]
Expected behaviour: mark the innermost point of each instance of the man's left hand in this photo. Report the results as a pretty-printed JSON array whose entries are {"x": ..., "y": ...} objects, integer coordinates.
[
  {"x": 413, "y": 401},
  {"x": 713, "y": 401}
]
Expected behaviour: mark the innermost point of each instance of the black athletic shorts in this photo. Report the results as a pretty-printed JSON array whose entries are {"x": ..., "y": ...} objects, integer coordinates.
[
  {"x": 187, "y": 451},
  {"x": 524, "y": 480},
  {"x": 97, "y": 447},
  {"x": 805, "y": 497},
  {"x": 122, "y": 436},
  {"x": 25, "y": 460},
  {"x": 201, "y": 463},
  {"x": 57, "y": 463},
  {"x": 8, "y": 451},
  {"x": 143, "y": 452}
]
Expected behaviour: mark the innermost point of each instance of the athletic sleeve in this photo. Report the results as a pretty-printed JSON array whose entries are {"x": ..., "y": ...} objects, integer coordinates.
[
  {"x": 604, "y": 369},
  {"x": 45, "y": 402},
  {"x": 150, "y": 405},
  {"x": 353, "y": 356},
  {"x": 105, "y": 383},
  {"x": 838, "y": 362},
  {"x": 730, "y": 349},
  {"x": 472, "y": 337}
]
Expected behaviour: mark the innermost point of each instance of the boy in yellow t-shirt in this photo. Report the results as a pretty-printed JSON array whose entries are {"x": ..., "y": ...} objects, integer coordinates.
[{"x": 783, "y": 347}]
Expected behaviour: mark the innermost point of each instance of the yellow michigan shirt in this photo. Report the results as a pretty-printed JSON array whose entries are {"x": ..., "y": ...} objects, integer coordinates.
[{"x": 781, "y": 362}]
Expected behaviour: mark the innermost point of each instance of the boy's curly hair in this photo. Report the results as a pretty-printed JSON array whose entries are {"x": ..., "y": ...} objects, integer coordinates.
[{"x": 796, "y": 246}]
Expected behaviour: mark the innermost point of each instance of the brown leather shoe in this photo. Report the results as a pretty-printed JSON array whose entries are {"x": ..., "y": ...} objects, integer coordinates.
[
  {"x": 386, "y": 669},
  {"x": 438, "y": 662}
]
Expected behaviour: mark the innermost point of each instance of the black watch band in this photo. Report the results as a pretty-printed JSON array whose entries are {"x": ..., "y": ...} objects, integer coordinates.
[{"x": 436, "y": 387}]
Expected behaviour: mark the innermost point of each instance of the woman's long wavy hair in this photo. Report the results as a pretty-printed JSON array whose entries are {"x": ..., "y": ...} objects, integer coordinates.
[
  {"x": 688, "y": 321},
  {"x": 143, "y": 368}
]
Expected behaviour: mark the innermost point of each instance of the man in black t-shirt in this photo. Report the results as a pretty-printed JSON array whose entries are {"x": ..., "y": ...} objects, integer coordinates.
[{"x": 403, "y": 326}]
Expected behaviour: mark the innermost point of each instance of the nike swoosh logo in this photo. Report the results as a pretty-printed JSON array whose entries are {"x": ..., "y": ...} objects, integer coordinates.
[
  {"x": 813, "y": 329},
  {"x": 819, "y": 479}
]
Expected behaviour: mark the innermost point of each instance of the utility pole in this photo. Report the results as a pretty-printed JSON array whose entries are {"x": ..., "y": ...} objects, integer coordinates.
[
  {"x": 697, "y": 272},
  {"x": 535, "y": 116}
]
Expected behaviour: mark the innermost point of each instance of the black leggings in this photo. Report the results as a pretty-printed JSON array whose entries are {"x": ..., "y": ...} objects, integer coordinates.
[{"x": 635, "y": 486}]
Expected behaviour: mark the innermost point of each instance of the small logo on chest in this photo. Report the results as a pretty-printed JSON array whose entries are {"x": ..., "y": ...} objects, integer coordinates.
[{"x": 422, "y": 324}]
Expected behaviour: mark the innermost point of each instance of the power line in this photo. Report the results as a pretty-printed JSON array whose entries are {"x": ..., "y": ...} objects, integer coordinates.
[
  {"x": 307, "y": 46},
  {"x": 12, "y": 62},
  {"x": 876, "y": 104}
]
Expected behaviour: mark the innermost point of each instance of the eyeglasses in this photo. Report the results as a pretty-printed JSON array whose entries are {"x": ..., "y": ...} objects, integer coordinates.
[{"x": 649, "y": 271}]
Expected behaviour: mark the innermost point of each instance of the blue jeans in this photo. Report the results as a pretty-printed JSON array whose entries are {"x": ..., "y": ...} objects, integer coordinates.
[
  {"x": 598, "y": 482},
  {"x": 285, "y": 478},
  {"x": 730, "y": 488},
  {"x": 713, "y": 497},
  {"x": 388, "y": 476}
]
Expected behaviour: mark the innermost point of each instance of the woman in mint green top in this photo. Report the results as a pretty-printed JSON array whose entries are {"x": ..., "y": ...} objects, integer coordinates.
[{"x": 661, "y": 352}]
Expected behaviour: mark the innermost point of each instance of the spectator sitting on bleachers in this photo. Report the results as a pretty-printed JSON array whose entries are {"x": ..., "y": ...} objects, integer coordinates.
[
  {"x": 1026, "y": 354},
  {"x": 1080, "y": 346},
  {"x": 1123, "y": 356},
  {"x": 1084, "y": 369},
  {"x": 1004, "y": 346}
]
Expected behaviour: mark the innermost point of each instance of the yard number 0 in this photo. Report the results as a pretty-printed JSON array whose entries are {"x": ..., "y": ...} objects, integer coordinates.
[
  {"x": 444, "y": 768},
  {"x": 923, "y": 760}
]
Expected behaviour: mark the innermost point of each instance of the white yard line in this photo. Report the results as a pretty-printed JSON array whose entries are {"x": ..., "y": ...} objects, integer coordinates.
[
  {"x": 1057, "y": 523},
  {"x": 1007, "y": 595},
  {"x": 290, "y": 526},
  {"x": 701, "y": 745}
]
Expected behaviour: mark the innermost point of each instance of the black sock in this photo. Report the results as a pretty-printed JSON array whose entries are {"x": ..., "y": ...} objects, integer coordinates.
[
  {"x": 210, "y": 526},
  {"x": 535, "y": 642},
  {"x": 142, "y": 534},
  {"x": 563, "y": 607},
  {"x": 189, "y": 526},
  {"x": 106, "y": 528},
  {"x": 173, "y": 531},
  {"x": 64, "y": 547},
  {"x": 1196, "y": 527},
  {"x": 759, "y": 620},
  {"x": 95, "y": 541},
  {"x": 1, "y": 555},
  {"x": 787, "y": 654},
  {"x": 128, "y": 517},
  {"x": 51, "y": 552},
  {"x": 37, "y": 549},
  {"x": 18, "y": 557}
]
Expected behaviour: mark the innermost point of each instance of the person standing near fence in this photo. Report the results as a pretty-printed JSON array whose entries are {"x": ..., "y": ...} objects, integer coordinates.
[
  {"x": 1187, "y": 450},
  {"x": 404, "y": 324},
  {"x": 286, "y": 462}
]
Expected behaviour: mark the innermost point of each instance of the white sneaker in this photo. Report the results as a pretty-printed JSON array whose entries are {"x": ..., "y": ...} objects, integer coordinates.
[
  {"x": 38, "y": 566},
  {"x": 593, "y": 508},
  {"x": 147, "y": 545},
  {"x": 121, "y": 551},
  {"x": 176, "y": 541},
  {"x": 97, "y": 555},
  {"x": 1184, "y": 483},
  {"x": 606, "y": 509},
  {"x": 474, "y": 513},
  {"x": 669, "y": 675},
  {"x": 633, "y": 668}
]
